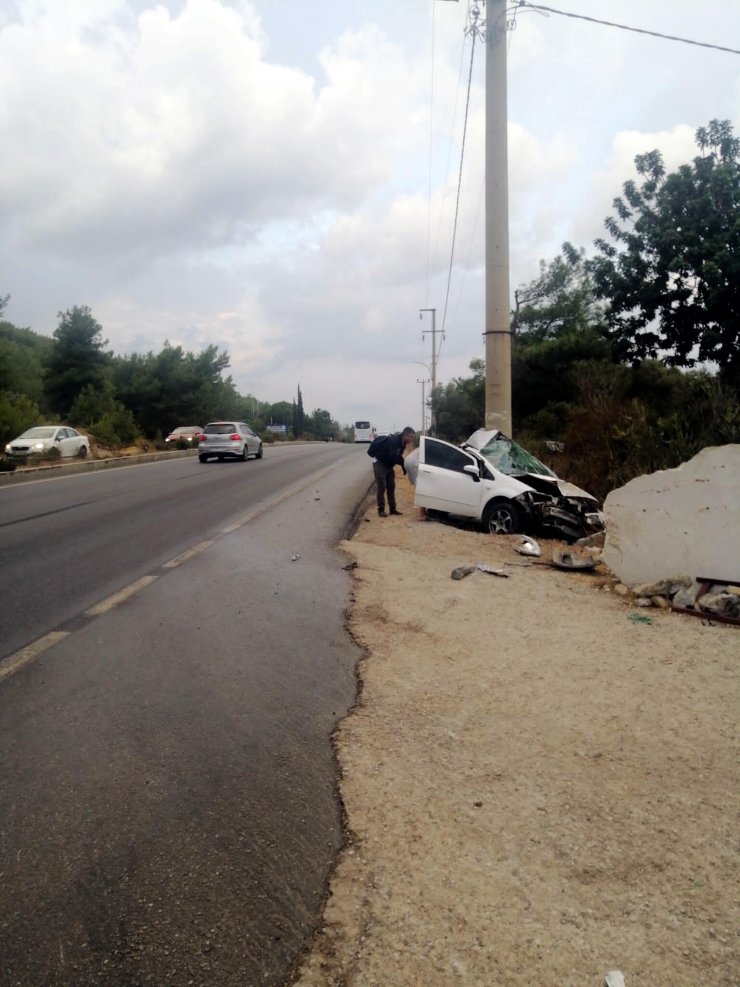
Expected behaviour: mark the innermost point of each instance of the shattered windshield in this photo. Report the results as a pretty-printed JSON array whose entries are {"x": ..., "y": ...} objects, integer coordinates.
[{"x": 508, "y": 457}]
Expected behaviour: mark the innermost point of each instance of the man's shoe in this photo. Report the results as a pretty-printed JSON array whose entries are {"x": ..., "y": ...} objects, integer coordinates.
[
  {"x": 382, "y": 514},
  {"x": 397, "y": 512}
]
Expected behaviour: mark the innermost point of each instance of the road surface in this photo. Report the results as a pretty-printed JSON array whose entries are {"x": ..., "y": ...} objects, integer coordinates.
[{"x": 167, "y": 785}]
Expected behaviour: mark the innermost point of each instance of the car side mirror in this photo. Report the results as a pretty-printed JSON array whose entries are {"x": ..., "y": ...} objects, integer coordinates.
[{"x": 472, "y": 470}]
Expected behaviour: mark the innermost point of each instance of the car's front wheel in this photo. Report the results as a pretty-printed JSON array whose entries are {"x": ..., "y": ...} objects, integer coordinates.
[{"x": 502, "y": 517}]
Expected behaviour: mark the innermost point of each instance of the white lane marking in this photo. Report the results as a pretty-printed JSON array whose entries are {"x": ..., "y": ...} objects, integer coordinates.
[
  {"x": 112, "y": 601},
  {"x": 195, "y": 550},
  {"x": 14, "y": 662}
]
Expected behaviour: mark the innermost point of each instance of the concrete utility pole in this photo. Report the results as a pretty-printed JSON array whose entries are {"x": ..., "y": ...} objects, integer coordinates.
[
  {"x": 433, "y": 372},
  {"x": 498, "y": 327}
]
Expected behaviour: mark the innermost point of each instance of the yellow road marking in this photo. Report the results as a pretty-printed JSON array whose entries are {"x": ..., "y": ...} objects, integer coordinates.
[
  {"x": 195, "y": 550},
  {"x": 27, "y": 654},
  {"x": 105, "y": 605}
]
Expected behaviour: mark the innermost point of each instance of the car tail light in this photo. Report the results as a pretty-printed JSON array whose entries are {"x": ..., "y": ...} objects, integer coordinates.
[
  {"x": 235, "y": 437},
  {"x": 202, "y": 438}
]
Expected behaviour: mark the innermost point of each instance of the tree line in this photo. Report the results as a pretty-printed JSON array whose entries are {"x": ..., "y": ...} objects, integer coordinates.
[
  {"x": 72, "y": 377},
  {"x": 630, "y": 358}
]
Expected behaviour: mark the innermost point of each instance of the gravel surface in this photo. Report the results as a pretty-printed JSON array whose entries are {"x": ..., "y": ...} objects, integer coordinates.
[{"x": 539, "y": 786}]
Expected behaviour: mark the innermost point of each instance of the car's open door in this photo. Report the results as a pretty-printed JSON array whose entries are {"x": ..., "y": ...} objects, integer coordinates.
[{"x": 448, "y": 479}]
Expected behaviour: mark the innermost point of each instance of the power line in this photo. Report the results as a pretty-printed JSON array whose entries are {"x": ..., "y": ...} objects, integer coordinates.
[
  {"x": 431, "y": 148},
  {"x": 459, "y": 179},
  {"x": 449, "y": 149},
  {"x": 623, "y": 27}
]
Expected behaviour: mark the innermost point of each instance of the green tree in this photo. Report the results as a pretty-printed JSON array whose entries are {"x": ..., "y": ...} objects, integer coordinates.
[
  {"x": 17, "y": 413},
  {"x": 77, "y": 360},
  {"x": 23, "y": 357},
  {"x": 116, "y": 427},
  {"x": 321, "y": 424},
  {"x": 460, "y": 405},
  {"x": 559, "y": 327},
  {"x": 671, "y": 278},
  {"x": 90, "y": 404},
  {"x": 174, "y": 388},
  {"x": 299, "y": 415}
]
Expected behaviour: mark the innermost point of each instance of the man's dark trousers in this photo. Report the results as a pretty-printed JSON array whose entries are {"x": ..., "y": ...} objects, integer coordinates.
[{"x": 385, "y": 480}]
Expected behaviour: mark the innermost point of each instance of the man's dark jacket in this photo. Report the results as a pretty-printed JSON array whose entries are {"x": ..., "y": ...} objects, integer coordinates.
[{"x": 388, "y": 450}]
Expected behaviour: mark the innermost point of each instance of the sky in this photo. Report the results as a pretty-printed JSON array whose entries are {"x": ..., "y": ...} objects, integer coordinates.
[{"x": 279, "y": 178}]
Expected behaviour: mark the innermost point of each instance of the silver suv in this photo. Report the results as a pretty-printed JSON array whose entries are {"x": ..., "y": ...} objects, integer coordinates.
[{"x": 233, "y": 440}]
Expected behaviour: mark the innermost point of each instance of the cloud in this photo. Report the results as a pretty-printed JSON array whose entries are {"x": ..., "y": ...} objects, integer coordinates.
[
  {"x": 172, "y": 131},
  {"x": 207, "y": 171}
]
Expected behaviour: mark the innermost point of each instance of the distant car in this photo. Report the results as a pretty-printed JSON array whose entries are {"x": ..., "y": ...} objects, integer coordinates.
[
  {"x": 503, "y": 487},
  {"x": 41, "y": 439},
  {"x": 228, "y": 440},
  {"x": 185, "y": 433}
]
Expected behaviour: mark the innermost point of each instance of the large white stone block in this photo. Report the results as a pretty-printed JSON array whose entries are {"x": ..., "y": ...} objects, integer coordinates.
[{"x": 684, "y": 521}]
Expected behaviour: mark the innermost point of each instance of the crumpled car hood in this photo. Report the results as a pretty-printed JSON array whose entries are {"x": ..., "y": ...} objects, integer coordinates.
[
  {"x": 545, "y": 482},
  {"x": 566, "y": 489}
]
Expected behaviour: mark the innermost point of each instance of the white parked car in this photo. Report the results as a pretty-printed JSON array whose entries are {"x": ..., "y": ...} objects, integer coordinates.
[
  {"x": 228, "y": 440},
  {"x": 41, "y": 439},
  {"x": 503, "y": 487}
]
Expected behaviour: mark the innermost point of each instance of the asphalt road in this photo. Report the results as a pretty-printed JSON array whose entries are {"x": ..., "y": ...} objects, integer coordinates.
[
  {"x": 167, "y": 785},
  {"x": 69, "y": 542}
]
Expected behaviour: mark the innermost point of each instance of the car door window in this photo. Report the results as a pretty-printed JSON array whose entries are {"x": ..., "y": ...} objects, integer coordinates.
[{"x": 445, "y": 456}]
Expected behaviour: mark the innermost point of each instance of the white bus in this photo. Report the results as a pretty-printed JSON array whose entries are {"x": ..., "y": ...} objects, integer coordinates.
[{"x": 364, "y": 432}]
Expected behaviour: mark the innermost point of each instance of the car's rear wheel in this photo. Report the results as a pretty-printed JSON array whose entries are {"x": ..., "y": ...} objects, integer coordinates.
[
  {"x": 502, "y": 517},
  {"x": 245, "y": 453},
  {"x": 82, "y": 452},
  {"x": 203, "y": 459},
  {"x": 259, "y": 452}
]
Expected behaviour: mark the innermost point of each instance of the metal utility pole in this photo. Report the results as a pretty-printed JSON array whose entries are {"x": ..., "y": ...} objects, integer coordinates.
[
  {"x": 423, "y": 381},
  {"x": 423, "y": 401},
  {"x": 426, "y": 332},
  {"x": 498, "y": 327}
]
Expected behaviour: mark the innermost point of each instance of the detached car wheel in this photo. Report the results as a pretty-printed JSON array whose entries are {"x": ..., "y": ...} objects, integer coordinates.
[{"x": 502, "y": 517}]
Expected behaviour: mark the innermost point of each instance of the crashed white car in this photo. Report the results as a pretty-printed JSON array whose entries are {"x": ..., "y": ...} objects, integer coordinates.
[{"x": 496, "y": 483}]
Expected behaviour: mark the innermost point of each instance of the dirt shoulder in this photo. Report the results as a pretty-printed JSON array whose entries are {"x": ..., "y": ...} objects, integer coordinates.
[{"x": 538, "y": 789}]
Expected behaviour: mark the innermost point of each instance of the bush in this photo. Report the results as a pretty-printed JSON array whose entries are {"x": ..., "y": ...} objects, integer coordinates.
[
  {"x": 17, "y": 413},
  {"x": 91, "y": 406},
  {"x": 116, "y": 428}
]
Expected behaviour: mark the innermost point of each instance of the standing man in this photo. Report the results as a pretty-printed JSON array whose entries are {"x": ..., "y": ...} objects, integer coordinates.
[{"x": 387, "y": 453}]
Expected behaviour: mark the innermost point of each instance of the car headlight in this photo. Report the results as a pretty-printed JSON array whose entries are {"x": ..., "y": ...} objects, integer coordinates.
[
  {"x": 39, "y": 446},
  {"x": 8, "y": 448}
]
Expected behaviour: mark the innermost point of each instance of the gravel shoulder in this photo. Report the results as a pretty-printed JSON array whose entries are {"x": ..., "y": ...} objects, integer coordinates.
[{"x": 537, "y": 788}]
